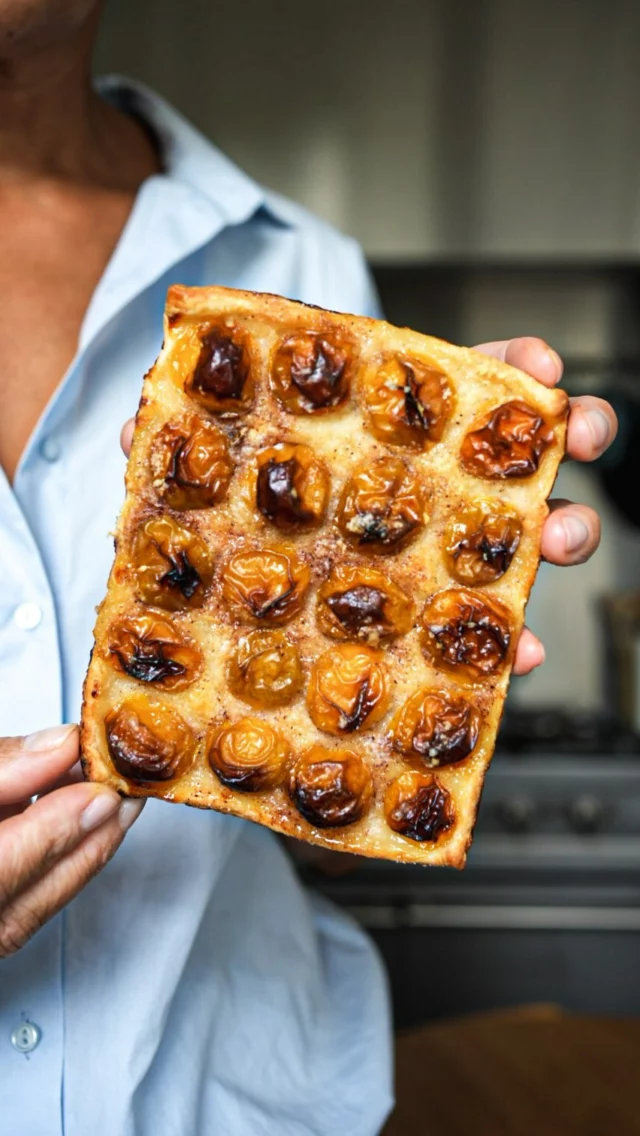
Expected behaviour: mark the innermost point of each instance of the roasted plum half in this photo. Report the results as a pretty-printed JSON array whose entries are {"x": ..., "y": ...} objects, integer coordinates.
[
  {"x": 348, "y": 689},
  {"x": 221, "y": 380},
  {"x": 480, "y": 542},
  {"x": 148, "y": 741},
  {"x": 417, "y": 806},
  {"x": 407, "y": 403},
  {"x": 265, "y": 585},
  {"x": 264, "y": 669},
  {"x": 383, "y": 506},
  {"x": 148, "y": 646},
  {"x": 330, "y": 787},
  {"x": 359, "y": 602},
  {"x": 292, "y": 486},
  {"x": 466, "y": 633},
  {"x": 311, "y": 373},
  {"x": 508, "y": 443},
  {"x": 435, "y": 728},
  {"x": 172, "y": 566},
  {"x": 191, "y": 464},
  {"x": 248, "y": 756}
]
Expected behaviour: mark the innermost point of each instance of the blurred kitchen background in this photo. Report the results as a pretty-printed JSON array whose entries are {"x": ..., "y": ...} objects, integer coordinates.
[{"x": 487, "y": 155}]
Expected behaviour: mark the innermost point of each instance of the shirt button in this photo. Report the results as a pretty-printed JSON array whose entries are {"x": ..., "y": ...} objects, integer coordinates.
[
  {"x": 25, "y": 1037},
  {"x": 27, "y": 616},
  {"x": 50, "y": 449}
]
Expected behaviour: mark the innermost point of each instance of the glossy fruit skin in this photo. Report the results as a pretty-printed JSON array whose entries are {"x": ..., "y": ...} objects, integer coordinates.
[
  {"x": 418, "y": 807},
  {"x": 221, "y": 381},
  {"x": 359, "y": 602},
  {"x": 148, "y": 646},
  {"x": 331, "y": 788},
  {"x": 435, "y": 728},
  {"x": 348, "y": 689},
  {"x": 311, "y": 373},
  {"x": 264, "y": 670},
  {"x": 383, "y": 506},
  {"x": 480, "y": 542},
  {"x": 248, "y": 756},
  {"x": 171, "y": 563},
  {"x": 292, "y": 486},
  {"x": 407, "y": 402},
  {"x": 465, "y": 632},
  {"x": 191, "y": 464},
  {"x": 265, "y": 585},
  {"x": 149, "y": 741},
  {"x": 508, "y": 443}
]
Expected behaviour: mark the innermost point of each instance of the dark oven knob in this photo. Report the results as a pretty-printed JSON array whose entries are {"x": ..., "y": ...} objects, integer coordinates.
[
  {"x": 586, "y": 813},
  {"x": 516, "y": 813}
]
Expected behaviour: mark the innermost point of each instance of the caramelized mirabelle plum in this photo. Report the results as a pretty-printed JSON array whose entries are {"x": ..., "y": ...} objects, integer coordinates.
[
  {"x": 417, "y": 806},
  {"x": 191, "y": 464},
  {"x": 407, "y": 402},
  {"x": 330, "y": 787},
  {"x": 148, "y": 741},
  {"x": 481, "y": 541},
  {"x": 221, "y": 380},
  {"x": 149, "y": 647},
  {"x": 383, "y": 506},
  {"x": 348, "y": 689},
  {"x": 465, "y": 632},
  {"x": 292, "y": 486},
  {"x": 264, "y": 669},
  {"x": 509, "y": 442},
  {"x": 248, "y": 755},
  {"x": 172, "y": 565},
  {"x": 435, "y": 727},
  {"x": 359, "y": 602},
  {"x": 310, "y": 373},
  {"x": 265, "y": 585}
]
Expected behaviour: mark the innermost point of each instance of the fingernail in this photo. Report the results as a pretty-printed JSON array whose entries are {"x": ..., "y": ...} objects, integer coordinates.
[
  {"x": 100, "y": 809},
  {"x": 576, "y": 533},
  {"x": 553, "y": 355},
  {"x": 599, "y": 426},
  {"x": 50, "y": 738},
  {"x": 129, "y": 811}
]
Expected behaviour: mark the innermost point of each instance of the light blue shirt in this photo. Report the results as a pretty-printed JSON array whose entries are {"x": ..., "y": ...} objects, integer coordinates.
[{"x": 194, "y": 987}]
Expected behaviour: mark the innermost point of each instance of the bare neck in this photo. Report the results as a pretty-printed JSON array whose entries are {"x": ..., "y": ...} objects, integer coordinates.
[{"x": 53, "y": 126}]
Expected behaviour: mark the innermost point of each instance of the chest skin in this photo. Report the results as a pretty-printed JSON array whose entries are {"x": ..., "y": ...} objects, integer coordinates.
[{"x": 55, "y": 243}]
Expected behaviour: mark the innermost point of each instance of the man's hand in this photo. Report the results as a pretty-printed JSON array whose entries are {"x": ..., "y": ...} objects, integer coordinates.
[
  {"x": 572, "y": 532},
  {"x": 49, "y": 850}
]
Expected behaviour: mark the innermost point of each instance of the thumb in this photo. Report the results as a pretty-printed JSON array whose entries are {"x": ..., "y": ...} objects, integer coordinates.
[{"x": 32, "y": 764}]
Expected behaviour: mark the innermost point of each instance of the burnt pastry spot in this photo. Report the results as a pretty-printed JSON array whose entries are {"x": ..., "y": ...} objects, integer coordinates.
[
  {"x": 435, "y": 728},
  {"x": 310, "y": 374},
  {"x": 292, "y": 486},
  {"x": 171, "y": 564},
  {"x": 148, "y": 741},
  {"x": 149, "y": 648},
  {"x": 265, "y": 585},
  {"x": 331, "y": 788},
  {"x": 508, "y": 443},
  {"x": 417, "y": 806},
  {"x": 481, "y": 541},
  {"x": 248, "y": 756},
  {"x": 265, "y": 670},
  {"x": 383, "y": 506},
  {"x": 359, "y": 602},
  {"x": 465, "y": 632},
  {"x": 221, "y": 380},
  {"x": 191, "y": 465},
  {"x": 348, "y": 689},
  {"x": 408, "y": 403}
]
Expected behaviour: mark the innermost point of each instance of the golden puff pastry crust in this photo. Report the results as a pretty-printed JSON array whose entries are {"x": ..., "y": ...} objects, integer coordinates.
[{"x": 329, "y": 536}]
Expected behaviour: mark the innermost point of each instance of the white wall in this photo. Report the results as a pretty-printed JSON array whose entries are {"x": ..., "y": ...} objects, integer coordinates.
[{"x": 432, "y": 126}]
